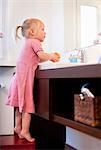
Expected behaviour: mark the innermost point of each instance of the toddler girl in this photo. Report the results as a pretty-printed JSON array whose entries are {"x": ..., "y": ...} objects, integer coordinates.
[{"x": 20, "y": 94}]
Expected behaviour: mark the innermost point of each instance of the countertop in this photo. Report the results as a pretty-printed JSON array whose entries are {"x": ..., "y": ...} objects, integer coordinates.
[
  {"x": 55, "y": 65},
  {"x": 7, "y": 64}
]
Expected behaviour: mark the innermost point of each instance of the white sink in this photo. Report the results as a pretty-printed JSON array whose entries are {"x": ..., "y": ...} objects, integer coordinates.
[{"x": 52, "y": 65}]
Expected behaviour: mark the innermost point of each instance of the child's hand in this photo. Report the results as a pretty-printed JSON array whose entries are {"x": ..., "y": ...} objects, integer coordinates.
[
  {"x": 57, "y": 54},
  {"x": 56, "y": 57}
]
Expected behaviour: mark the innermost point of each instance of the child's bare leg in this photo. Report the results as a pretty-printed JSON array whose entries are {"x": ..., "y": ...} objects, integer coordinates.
[
  {"x": 18, "y": 122},
  {"x": 26, "y": 118}
]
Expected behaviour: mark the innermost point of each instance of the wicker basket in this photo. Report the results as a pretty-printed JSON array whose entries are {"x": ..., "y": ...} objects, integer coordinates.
[{"x": 88, "y": 110}]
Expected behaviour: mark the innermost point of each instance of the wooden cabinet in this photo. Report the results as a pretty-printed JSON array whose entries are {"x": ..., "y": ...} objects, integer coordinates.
[
  {"x": 55, "y": 94},
  {"x": 42, "y": 94}
]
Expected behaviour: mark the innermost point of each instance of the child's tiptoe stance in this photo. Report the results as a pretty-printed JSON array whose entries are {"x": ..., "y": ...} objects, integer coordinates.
[{"x": 20, "y": 94}]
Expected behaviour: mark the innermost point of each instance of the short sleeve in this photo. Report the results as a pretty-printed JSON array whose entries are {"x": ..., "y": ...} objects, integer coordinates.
[{"x": 36, "y": 46}]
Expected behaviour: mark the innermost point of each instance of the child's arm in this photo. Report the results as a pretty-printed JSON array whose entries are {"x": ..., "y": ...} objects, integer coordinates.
[{"x": 46, "y": 56}]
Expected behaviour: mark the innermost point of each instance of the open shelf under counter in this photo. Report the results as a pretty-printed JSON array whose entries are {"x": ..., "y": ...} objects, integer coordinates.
[{"x": 93, "y": 131}]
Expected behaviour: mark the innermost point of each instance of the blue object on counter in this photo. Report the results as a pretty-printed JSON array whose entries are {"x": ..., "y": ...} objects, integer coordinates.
[
  {"x": 73, "y": 59},
  {"x": 99, "y": 60}
]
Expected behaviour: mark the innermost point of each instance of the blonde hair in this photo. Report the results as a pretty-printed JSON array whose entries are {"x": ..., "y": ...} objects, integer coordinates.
[{"x": 27, "y": 24}]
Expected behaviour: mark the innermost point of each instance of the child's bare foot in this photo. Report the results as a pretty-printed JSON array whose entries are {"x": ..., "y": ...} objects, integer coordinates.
[
  {"x": 27, "y": 136},
  {"x": 17, "y": 131}
]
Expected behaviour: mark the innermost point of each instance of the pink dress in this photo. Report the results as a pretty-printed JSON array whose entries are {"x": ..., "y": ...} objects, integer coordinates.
[{"x": 20, "y": 93}]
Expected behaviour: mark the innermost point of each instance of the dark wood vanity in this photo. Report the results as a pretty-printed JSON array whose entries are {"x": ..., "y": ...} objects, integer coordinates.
[{"x": 54, "y": 98}]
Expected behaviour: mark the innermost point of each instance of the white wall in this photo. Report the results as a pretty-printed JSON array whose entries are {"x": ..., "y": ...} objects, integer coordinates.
[
  {"x": 69, "y": 25},
  {"x": 49, "y": 11}
]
